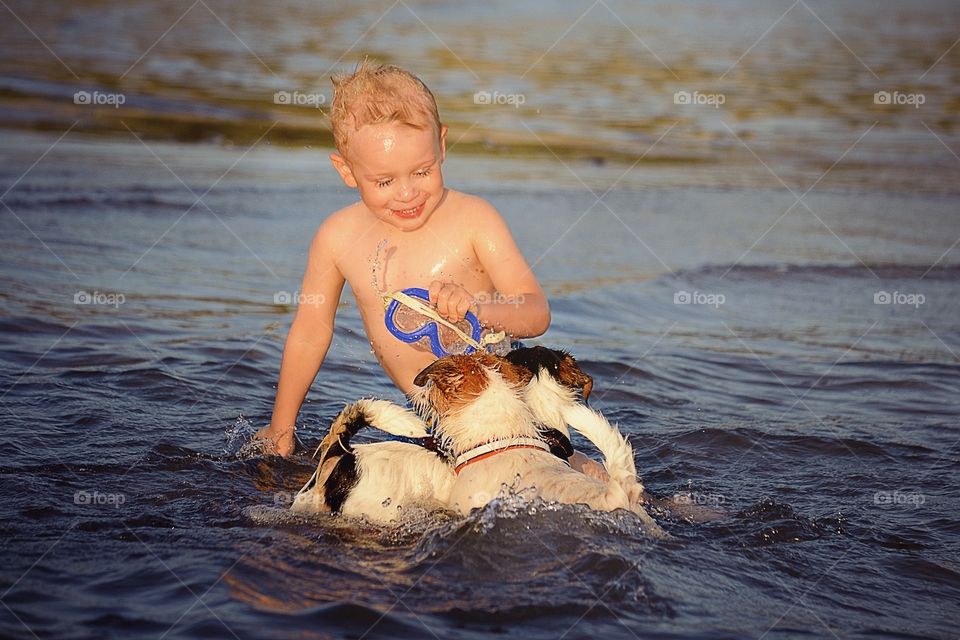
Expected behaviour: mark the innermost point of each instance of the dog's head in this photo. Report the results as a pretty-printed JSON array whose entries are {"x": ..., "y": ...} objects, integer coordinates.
[
  {"x": 560, "y": 365},
  {"x": 453, "y": 382}
]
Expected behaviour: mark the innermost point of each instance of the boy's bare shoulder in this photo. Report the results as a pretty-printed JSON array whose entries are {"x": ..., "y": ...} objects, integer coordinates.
[
  {"x": 340, "y": 226},
  {"x": 338, "y": 231},
  {"x": 473, "y": 208},
  {"x": 478, "y": 215}
]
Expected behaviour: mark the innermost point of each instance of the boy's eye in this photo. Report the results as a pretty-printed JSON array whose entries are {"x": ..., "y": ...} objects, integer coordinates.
[{"x": 421, "y": 174}]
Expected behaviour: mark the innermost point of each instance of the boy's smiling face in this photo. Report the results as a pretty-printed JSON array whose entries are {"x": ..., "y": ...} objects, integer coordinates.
[{"x": 396, "y": 168}]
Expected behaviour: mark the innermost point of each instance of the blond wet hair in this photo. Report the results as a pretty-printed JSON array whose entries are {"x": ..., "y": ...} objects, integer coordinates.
[{"x": 373, "y": 94}]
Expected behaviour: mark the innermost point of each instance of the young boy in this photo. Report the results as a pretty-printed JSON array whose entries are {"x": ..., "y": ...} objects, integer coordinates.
[{"x": 408, "y": 230}]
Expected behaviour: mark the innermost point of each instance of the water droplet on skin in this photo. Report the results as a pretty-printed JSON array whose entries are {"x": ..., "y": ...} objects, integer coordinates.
[{"x": 377, "y": 273}]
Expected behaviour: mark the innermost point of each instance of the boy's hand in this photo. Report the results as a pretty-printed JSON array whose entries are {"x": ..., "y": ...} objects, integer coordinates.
[
  {"x": 588, "y": 467},
  {"x": 275, "y": 441},
  {"x": 451, "y": 300}
]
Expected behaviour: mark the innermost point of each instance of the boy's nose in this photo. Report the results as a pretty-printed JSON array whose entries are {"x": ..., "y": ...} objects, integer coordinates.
[{"x": 406, "y": 192}]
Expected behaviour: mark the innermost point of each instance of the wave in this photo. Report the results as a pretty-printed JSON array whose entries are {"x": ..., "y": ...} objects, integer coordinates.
[{"x": 789, "y": 271}]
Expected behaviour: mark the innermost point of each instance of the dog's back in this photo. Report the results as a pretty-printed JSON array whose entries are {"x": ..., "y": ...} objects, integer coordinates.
[
  {"x": 377, "y": 481},
  {"x": 537, "y": 474}
]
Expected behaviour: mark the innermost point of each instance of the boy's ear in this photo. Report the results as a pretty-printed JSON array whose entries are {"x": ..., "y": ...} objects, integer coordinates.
[
  {"x": 443, "y": 142},
  {"x": 346, "y": 174}
]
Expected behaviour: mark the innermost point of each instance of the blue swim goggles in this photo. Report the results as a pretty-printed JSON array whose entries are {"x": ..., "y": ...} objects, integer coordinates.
[{"x": 410, "y": 318}]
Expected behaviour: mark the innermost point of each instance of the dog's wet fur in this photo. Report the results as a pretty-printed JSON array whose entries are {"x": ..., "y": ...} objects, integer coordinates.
[
  {"x": 338, "y": 459},
  {"x": 375, "y": 480},
  {"x": 456, "y": 391},
  {"x": 483, "y": 398},
  {"x": 337, "y": 470},
  {"x": 558, "y": 442},
  {"x": 559, "y": 364},
  {"x": 341, "y": 482}
]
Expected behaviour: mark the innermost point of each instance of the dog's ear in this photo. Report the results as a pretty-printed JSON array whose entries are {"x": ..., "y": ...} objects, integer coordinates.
[
  {"x": 427, "y": 374},
  {"x": 535, "y": 359},
  {"x": 515, "y": 375},
  {"x": 445, "y": 368},
  {"x": 570, "y": 375},
  {"x": 450, "y": 374}
]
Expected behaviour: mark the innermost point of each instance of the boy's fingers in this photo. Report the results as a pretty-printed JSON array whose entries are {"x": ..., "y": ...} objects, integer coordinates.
[
  {"x": 457, "y": 303},
  {"x": 450, "y": 300},
  {"x": 463, "y": 305},
  {"x": 434, "y": 289},
  {"x": 441, "y": 299},
  {"x": 439, "y": 293}
]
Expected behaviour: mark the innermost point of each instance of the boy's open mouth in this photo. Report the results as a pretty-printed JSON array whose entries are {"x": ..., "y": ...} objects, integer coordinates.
[{"x": 410, "y": 213}]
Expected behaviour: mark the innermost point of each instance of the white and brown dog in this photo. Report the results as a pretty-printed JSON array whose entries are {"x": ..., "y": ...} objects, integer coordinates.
[
  {"x": 379, "y": 480},
  {"x": 483, "y": 417}
]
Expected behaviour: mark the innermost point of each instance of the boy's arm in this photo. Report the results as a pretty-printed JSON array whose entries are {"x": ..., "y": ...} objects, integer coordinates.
[
  {"x": 307, "y": 342},
  {"x": 520, "y": 308},
  {"x": 518, "y": 305}
]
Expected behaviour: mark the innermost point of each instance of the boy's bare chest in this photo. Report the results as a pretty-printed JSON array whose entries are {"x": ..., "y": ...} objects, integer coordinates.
[{"x": 379, "y": 265}]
